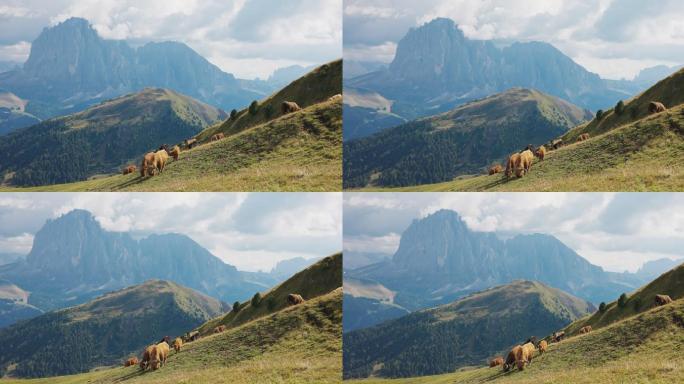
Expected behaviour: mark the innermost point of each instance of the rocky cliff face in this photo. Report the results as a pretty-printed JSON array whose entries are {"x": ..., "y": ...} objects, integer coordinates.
[
  {"x": 439, "y": 259},
  {"x": 70, "y": 67},
  {"x": 437, "y": 68},
  {"x": 73, "y": 259}
]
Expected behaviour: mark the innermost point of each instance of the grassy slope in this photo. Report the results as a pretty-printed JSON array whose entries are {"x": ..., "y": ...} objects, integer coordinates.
[
  {"x": 316, "y": 280},
  {"x": 314, "y": 87},
  {"x": 641, "y": 349},
  {"x": 641, "y": 156},
  {"x": 475, "y": 326},
  {"x": 296, "y": 345},
  {"x": 464, "y": 140},
  {"x": 143, "y": 313},
  {"x": 669, "y": 283},
  {"x": 102, "y": 138},
  {"x": 300, "y": 151}
]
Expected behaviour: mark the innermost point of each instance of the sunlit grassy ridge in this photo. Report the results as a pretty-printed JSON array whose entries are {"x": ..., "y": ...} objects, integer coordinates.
[
  {"x": 318, "y": 279},
  {"x": 314, "y": 87}
]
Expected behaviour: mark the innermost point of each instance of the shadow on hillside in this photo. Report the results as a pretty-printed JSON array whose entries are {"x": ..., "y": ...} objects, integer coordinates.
[
  {"x": 128, "y": 183},
  {"x": 498, "y": 375},
  {"x": 129, "y": 376},
  {"x": 499, "y": 181}
]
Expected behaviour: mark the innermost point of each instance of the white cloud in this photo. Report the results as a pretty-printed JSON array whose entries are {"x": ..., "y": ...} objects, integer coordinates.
[
  {"x": 20, "y": 244},
  {"x": 383, "y": 53},
  {"x": 14, "y": 11},
  {"x": 17, "y": 52},
  {"x": 387, "y": 244}
]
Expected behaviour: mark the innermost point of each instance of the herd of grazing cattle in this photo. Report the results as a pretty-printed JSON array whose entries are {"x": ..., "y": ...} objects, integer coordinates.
[
  {"x": 154, "y": 162},
  {"x": 521, "y": 355},
  {"x": 519, "y": 163},
  {"x": 155, "y": 355}
]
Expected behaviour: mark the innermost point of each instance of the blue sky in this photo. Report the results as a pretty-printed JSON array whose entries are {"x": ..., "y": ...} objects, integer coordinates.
[
  {"x": 614, "y": 38},
  {"x": 249, "y": 38},
  {"x": 252, "y": 231},
  {"x": 618, "y": 231}
]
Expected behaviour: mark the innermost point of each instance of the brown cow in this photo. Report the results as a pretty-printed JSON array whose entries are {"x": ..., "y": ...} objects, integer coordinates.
[
  {"x": 582, "y": 137},
  {"x": 175, "y": 152},
  {"x": 542, "y": 346},
  {"x": 131, "y": 362},
  {"x": 294, "y": 299},
  {"x": 510, "y": 164},
  {"x": 129, "y": 169},
  {"x": 147, "y": 353},
  {"x": 522, "y": 166},
  {"x": 540, "y": 152},
  {"x": 161, "y": 157},
  {"x": 524, "y": 356},
  {"x": 656, "y": 107},
  {"x": 289, "y": 106},
  {"x": 217, "y": 137},
  {"x": 496, "y": 361},
  {"x": 497, "y": 168},
  {"x": 662, "y": 300},
  {"x": 147, "y": 164},
  {"x": 178, "y": 344},
  {"x": 220, "y": 329},
  {"x": 189, "y": 143},
  {"x": 555, "y": 144},
  {"x": 158, "y": 355},
  {"x": 585, "y": 329},
  {"x": 511, "y": 358}
]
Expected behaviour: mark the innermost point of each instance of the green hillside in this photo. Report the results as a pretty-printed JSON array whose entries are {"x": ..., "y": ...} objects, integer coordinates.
[
  {"x": 465, "y": 140},
  {"x": 316, "y": 280},
  {"x": 670, "y": 283},
  {"x": 669, "y": 91},
  {"x": 103, "y": 331},
  {"x": 299, "y": 344},
  {"x": 645, "y": 348},
  {"x": 315, "y": 87},
  {"x": 463, "y": 333},
  {"x": 299, "y": 151},
  {"x": 102, "y": 138},
  {"x": 631, "y": 151}
]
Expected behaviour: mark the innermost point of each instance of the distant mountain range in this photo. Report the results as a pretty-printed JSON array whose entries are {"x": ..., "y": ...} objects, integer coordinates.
[
  {"x": 465, "y": 140},
  {"x": 465, "y": 332},
  {"x": 440, "y": 259},
  {"x": 436, "y": 68},
  {"x": 71, "y": 67},
  {"x": 74, "y": 260},
  {"x": 283, "y": 76},
  {"x": 103, "y": 331},
  {"x": 102, "y": 138},
  {"x": 286, "y": 268}
]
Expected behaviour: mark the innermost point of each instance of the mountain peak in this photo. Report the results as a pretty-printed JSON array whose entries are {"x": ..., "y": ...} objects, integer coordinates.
[
  {"x": 440, "y": 22},
  {"x": 74, "y": 22}
]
